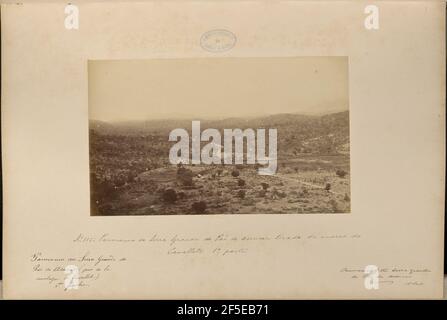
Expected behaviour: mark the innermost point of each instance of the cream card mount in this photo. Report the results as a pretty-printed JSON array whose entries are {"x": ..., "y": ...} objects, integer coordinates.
[{"x": 351, "y": 98}]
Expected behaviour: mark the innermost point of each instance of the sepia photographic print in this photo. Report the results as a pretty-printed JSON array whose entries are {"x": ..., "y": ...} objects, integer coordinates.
[{"x": 219, "y": 136}]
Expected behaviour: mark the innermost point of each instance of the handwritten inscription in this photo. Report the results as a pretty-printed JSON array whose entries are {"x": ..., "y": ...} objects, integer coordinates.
[
  {"x": 392, "y": 275},
  {"x": 91, "y": 267},
  {"x": 216, "y": 245}
]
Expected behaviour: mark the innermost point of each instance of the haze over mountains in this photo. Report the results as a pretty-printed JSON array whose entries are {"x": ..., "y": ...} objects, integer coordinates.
[
  {"x": 297, "y": 134},
  {"x": 278, "y": 120}
]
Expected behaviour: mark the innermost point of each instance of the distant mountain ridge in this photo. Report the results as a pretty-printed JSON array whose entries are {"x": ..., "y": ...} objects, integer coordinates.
[{"x": 270, "y": 121}]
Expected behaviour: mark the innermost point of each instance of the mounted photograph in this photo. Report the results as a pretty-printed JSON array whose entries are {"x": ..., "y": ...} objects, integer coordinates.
[{"x": 219, "y": 136}]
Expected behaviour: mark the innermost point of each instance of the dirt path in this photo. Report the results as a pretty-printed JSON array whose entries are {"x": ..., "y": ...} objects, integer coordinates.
[{"x": 305, "y": 183}]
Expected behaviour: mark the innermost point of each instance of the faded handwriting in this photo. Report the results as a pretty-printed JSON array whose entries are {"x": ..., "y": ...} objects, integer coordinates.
[
  {"x": 219, "y": 244},
  {"x": 410, "y": 276},
  {"x": 51, "y": 269}
]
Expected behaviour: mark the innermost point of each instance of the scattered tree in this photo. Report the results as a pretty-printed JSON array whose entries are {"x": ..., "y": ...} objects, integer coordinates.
[
  {"x": 169, "y": 196},
  {"x": 185, "y": 176},
  {"x": 235, "y": 173},
  {"x": 341, "y": 173},
  {"x": 199, "y": 207}
]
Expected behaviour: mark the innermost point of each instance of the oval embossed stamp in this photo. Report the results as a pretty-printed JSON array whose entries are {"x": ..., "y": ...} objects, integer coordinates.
[{"x": 218, "y": 40}]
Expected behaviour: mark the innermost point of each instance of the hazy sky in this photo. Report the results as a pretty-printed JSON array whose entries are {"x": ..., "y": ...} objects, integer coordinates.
[{"x": 121, "y": 90}]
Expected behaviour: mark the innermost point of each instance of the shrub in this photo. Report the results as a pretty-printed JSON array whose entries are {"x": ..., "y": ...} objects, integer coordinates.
[
  {"x": 169, "y": 196},
  {"x": 131, "y": 177},
  {"x": 235, "y": 173},
  {"x": 120, "y": 181},
  {"x": 199, "y": 207},
  {"x": 241, "y": 194},
  {"x": 280, "y": 193},
  {"x": 241, "y": 182},
  {"x": 341, "y": 173},
  {"x": 265, "y": 186},
  {"x": 328, "y": 187},
  {"x": 185, "y": 176}
]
